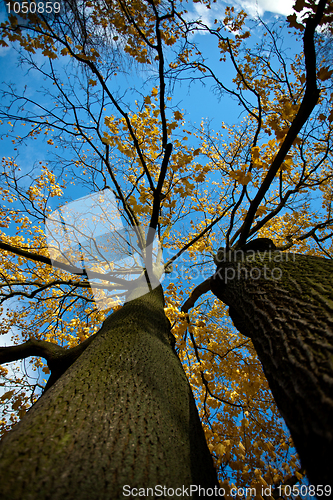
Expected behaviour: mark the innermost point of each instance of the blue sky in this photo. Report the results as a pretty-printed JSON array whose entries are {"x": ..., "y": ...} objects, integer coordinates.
[
  {"x": 201, "y": 104},
  {"x": 203, "y": 107}
]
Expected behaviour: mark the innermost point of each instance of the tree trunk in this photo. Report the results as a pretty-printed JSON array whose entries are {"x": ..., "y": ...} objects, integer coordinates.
[
  {"x": 284, "y": 303},
  {"x": 122, "y": 414}
]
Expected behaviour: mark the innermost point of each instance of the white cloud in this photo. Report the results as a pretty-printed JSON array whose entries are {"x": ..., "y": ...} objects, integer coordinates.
[
  {"x": 4, "y": 51},
  {"x": 207, "y": 16},
  {"x": 254, "y": 7}
]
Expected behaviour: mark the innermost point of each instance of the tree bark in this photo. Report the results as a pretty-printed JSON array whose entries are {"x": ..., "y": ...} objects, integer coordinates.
[
  {"x": 122, "y": 414},
  {"x": 284, "y": 303}
]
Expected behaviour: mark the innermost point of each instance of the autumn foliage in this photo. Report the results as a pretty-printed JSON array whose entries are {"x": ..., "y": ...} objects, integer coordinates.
[{"x": 111, "y": 116}]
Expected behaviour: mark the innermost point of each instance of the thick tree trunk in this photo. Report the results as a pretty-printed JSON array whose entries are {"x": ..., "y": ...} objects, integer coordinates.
[
  {"x": 284, "y": 303},
  {"x": 122, "y": 414}
]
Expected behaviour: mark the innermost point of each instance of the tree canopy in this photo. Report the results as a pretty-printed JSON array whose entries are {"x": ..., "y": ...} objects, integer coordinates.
[{"x": 106, "y": 106}]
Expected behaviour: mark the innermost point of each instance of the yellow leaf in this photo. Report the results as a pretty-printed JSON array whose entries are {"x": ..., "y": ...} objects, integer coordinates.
[
  {"x": 7, "y": 395},
  {"x": 261, "y": 211},
  {"x": 16, "y": 404},
  {"x": 293, "y": 22},
  {"x": 220, "y": 449},
  {"x": 3, "y": 369},
  {"x": 241, "y": 447},
  {"x": 299, "y": 5},
  {"x": 288, "y": 110},
  {"x": 324, "y": 73},
  {"x": 50, "y": 54},
  {"x": 241, "y": 177},
  {"x": 255, "y": 152},
  {"x": 178, "y": 115}
]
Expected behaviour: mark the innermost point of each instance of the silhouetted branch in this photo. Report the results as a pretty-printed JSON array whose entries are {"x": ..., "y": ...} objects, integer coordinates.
[{"x": 309, "y": 101}]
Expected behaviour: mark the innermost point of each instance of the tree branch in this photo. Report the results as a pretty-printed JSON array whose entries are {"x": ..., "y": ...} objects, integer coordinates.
[
  {"x": 204, "y": 287},
  {"x": 309, "y": 101},
  {"x": 194, "y": 240},
  {"x": 60, "y": 265},
  {"x": 158, "y": 190},
  {"x": 40, "y": 258},
  {"x": 32, "y": 347},
  {"x": 58, "y": 358}
]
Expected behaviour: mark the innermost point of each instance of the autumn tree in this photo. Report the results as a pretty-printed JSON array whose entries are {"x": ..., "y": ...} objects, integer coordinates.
[{"x": 117, "y": 408}]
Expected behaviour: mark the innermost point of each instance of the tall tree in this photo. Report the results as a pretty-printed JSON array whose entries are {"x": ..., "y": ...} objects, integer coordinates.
[
  {"x": 284, "y": 306},
  {"x": 117, "y": 409}
]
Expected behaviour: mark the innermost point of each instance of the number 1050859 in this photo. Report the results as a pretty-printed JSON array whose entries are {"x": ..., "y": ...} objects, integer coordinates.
[
  {"x": 310, "y": 490},
  {"x": 33, "y": 7}
]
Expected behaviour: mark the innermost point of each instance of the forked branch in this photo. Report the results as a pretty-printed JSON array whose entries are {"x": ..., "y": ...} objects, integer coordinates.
[
  {"x": 58, "y": 358},
  {"x": 309, "y": 101}
]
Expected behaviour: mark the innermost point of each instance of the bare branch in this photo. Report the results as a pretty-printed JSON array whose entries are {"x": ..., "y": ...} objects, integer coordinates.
[
  {"x": 59, "y": 265},
  {"x": 32, "y": 347},
  {"x": 309, "y": 101},
  {"x": 58, "y": 358},
  {"x": 194, "y": 240},
  {"x": 204, "y": 287}
]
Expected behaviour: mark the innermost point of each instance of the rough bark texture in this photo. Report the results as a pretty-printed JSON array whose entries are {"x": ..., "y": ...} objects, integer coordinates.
[
  {"x": 290, "y": 321},
  {"x": 122, "y": 414}
]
